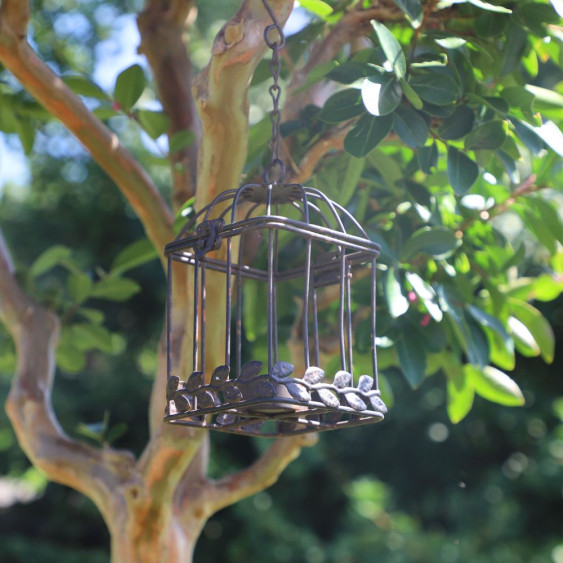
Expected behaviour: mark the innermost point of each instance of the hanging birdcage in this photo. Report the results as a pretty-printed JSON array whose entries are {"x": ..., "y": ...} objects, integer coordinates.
[{"x": 284, "y": 251}]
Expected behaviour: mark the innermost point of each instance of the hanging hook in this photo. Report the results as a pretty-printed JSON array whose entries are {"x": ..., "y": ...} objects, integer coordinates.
[
  {"x": 275, "y": 173},
  {"x": 276, "y": 25}
]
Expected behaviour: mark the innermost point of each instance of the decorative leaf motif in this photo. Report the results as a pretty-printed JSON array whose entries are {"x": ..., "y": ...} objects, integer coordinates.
[
  {"x": 249, "y": 371},
  {"x": 378, "y": 405},
  {"x": 313, "y": 375},
  {"x": 183, "y": 403},
  {"x": 281, "y": 370},
  {"x": 342, "y": 379},
  {"x": 365, "y": 383},
  {"x": 226, "y": 419},
  {"x": 219, "y": 376},
  {"x": 194, "y": 382},
  {"x": 232, "y": 393},
  {"x": 328, "y": 398},
  {"x": 264, "y": 389},
  {"x": 298, "y": 392},
  {"x": 172, "y": 385},
  {"x": 206, "y": 400},
  {"x": 355, "y": 402}
]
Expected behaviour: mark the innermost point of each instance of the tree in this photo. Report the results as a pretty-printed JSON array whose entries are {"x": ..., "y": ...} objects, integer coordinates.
[{"x": 431, "y": 121}]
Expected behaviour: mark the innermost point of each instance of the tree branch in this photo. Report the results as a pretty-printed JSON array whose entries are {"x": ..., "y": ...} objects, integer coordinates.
[
  {"x": 104, "y": 146},
  {"x": 221, "y": 93},
  {"x": 95, "y": 473},
  {"x": 333, "y": 140},
  {"x": 161, "y": 25},
  {"x": 264, "y": 472}
]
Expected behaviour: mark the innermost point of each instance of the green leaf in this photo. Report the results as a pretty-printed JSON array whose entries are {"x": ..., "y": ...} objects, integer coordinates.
[
  {"x": 484, "y": 319},
  {"x": 460, "y": 391},
  {"x": 381, "y": 94},
  {"x": 93, "y": 315},
  {"x": 138, "y": 253},
  {"x": 92, "y": 337},
  {"x": 129, "y": 87},
  {"x": 457, "y": 125},
  {"x": 79, "y": 286},
  {"x": 551, "y": 136},
  {"x": 349, "y": 72},
  {"x": 411, "y": 95},
  {"x": 115, "y": 289},
  {"x": 428, "y": 158},
  {"x": 439, "y": 242},
  {"x": 50, "y": 258},
  {"x": 397, "y": 303},
  {"x": 180, "y": 140},
  {"x": 490, "y": 135},
  {"x": 317, "y": 74},
  {"x": 412, "y": 10},
  {"x": 435, "y": 87},
  {"x": 490, "y": 7},
  {"x": 410, "y": 126},
  {"x": 544, "y": 98},
  {"x": 538, "y": 326},
  {"x": 70, "y": 359},
  {"x": 392, "y": 49},
  {"x": 115, "y": 432},
  {"x": 515, "y": 46},
  {"x": 538, "y": 227},
  {"x": 155, "y": 123},
  {"x": 351, "y": 179},
  {"x": 528, "y": 136},
  {"x": 84, "y": 87},
  {"x": 317, "y": 7},
  {"x": 462, "y": 171},
  {"x": 547, "y": 212},
  {"x": 451, "y": 42},
  {"x": 494, "y": 385},
  {"x": 412, "y": 358},
  {"x": 427, "y": 295},
  {"x": 342, "y": 106},
  {"x": 26, "y": 132},
  {"x": 367, "y": 134}
]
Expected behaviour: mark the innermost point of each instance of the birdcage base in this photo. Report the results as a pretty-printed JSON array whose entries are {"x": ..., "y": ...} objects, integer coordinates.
[{"x": 274, "y": 404}]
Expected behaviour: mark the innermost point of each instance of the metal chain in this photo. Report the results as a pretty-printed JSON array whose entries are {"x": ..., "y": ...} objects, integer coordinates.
[{"x": 275, "y": 173}]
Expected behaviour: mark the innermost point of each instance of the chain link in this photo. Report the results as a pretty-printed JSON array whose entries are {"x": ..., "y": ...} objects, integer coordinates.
[{"x": 275, "y": 173}]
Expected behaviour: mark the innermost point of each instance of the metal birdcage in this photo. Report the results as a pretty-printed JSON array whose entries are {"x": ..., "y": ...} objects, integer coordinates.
[{"x": 285, "y": 250}]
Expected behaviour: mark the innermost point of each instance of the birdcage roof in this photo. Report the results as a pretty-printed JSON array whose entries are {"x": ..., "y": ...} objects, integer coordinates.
[{"x": 262, "y": 207}]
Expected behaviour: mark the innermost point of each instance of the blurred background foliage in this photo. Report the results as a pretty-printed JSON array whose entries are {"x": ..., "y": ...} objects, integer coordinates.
[{"x": 416, "y": 488}]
